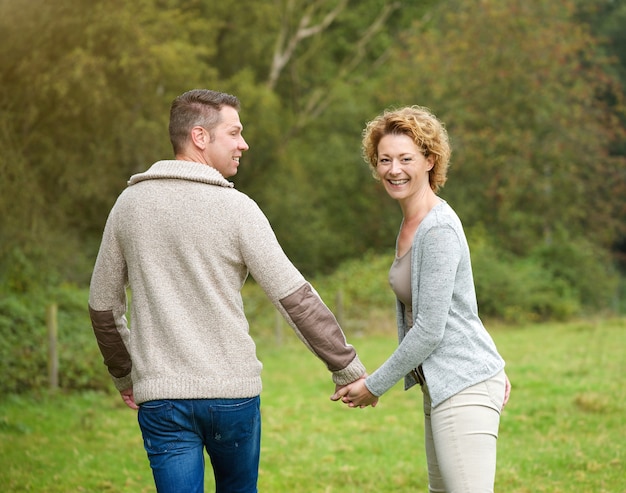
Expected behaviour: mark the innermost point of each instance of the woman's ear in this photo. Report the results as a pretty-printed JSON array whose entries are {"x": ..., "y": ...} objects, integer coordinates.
[{"x": 431, "y": 162}]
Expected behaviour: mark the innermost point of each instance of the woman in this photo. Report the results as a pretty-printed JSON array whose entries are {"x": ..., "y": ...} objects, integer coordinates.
[{"x": 443, "y": 344}]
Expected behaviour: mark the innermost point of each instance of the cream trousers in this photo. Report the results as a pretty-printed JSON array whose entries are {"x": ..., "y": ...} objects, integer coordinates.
[{"x": 461, "y": 435}]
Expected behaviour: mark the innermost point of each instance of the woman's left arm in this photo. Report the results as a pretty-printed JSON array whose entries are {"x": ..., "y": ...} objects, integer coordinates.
[{"x": 436, "y": 262}]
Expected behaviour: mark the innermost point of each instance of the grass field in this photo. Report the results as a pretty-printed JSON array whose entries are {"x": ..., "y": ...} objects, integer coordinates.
[{"x": 564, "y": 430}]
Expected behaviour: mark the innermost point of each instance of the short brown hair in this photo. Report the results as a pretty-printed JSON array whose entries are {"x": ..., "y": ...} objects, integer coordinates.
[{"x": 198, "y": 107}]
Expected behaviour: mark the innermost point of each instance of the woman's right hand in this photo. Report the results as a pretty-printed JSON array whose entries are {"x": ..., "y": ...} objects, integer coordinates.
[{"x": 355, "y": 394}]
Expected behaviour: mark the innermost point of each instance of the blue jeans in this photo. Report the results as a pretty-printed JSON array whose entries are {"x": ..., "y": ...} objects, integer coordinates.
[{"x": 175, "y": 433}]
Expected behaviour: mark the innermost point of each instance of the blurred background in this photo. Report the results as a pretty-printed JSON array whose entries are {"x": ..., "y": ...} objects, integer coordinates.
[{"x": 531, "y": 91}]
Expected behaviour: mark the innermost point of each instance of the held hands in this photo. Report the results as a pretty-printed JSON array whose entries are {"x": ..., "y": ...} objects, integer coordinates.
[{"x": 355, "y": 394}]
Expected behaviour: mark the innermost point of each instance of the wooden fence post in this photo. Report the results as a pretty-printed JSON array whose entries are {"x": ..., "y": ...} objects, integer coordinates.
[
  {"x": 53, "y": 357},
  {"x": 278, "y": 328},
  {"x": 339, "y": 309}
]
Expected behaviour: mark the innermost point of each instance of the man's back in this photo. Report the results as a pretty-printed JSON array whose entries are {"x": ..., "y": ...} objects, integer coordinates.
[{"x": 186, "y": 243}]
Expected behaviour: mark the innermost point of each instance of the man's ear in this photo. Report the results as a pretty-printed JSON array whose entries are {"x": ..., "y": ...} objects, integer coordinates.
[{"x": 199, "y": 137}]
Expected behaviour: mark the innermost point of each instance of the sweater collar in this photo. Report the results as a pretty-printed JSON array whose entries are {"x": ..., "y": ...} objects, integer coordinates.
[{"x": 182, "y": 170}]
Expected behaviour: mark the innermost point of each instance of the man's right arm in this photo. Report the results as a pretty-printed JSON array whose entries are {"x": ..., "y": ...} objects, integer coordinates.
[
  {"x": 295, "y": 298},
  {"x": 318, "y": 328}
]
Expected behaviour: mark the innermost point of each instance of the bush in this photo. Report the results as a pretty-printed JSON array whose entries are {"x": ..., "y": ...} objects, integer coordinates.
[
  {"x": 363, "y": 283},
  {"x": 24, "y": 342},
  {"x": 555, "y": 282},
  {"x": 585, "y": 268},
  {"x": 362, "y": 287},
  {"x": 81, "y": 365},
  {"x": 520, "y": 290},
  {"x": 23, "y": 353}
]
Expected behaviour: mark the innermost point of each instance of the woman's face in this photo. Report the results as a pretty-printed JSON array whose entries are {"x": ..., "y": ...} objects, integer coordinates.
[{"x": 402, "y": 167}]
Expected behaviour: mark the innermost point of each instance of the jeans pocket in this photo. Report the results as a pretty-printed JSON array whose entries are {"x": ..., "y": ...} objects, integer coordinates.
[
  {"x": 235, "y": 423},
  {"x": 159, "y": 428}
]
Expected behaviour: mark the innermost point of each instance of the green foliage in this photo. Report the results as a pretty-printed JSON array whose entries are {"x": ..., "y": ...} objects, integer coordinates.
[
  {"x": 24, "y": 342},
  {"x": 23, "y": 353},
  {"x": 557, "y": 282},
  {"x": 84, "y": 104},
  {"x": 526, "y": 105},
  {"x": 534, "y": 106},
  {"x": 21, "y": 272},
  {"x": 80, "y": 362},
  {"x": 517, "y": 289},
  {"x": 583, "y": 268},
  {"x": 364, "y": 287}
]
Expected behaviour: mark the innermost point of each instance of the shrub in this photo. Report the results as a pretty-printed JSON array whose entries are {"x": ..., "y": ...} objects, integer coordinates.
[
  {"x": 23, "y": 353},
  {"x": 81, "y": 365},
  {"x": 585, "y": 268},
  {"x": 518, "y": 289},
  {"x": 363, "y": 283},
  {"x": 555, "y": 282},
  {"x": 24, "y": 342}
]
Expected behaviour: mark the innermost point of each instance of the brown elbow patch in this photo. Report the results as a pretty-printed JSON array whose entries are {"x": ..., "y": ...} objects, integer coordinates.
[
  {"x": 112, "y": 347},
  {"x": 318, "y": 327}
]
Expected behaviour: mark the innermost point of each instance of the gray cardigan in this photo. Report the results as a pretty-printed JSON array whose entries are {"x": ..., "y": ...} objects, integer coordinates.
[
  {"x": 185, "y": 240},
  {"x": 446, "y": 336}
]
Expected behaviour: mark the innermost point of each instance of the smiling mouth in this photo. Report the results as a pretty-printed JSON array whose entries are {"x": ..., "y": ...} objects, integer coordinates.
[{"x": 398, "y": 182}]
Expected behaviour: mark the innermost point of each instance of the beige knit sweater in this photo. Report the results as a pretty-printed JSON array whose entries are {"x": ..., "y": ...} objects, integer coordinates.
[{"x": 184, "y": 241}]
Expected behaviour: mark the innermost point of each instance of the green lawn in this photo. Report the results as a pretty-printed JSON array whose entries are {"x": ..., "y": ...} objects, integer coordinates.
[{"x": 564, "y": 430}]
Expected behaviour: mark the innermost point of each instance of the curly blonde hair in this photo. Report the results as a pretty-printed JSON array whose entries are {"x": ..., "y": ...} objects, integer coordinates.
[{"x": 418, "y": 123}]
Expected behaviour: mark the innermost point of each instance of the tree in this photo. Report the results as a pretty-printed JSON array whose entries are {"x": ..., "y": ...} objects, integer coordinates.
[
  {"x": 530, "y": 105},
  {"x": 86, "y": 88},
  {"x": 607, "y": 19},
  {"x": 326, "y": 56},
  {"x": 525, "y": 104},
  {"x": 85, "y": 92}
]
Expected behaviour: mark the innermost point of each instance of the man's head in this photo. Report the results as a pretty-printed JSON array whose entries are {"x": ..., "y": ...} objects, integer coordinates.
[{"x": 205, "y": 127}]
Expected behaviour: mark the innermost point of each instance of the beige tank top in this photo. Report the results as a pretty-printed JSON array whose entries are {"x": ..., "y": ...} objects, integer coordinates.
[{"x": 400, "y": 281}]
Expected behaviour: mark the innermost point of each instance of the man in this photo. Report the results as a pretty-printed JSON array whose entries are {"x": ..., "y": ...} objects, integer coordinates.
[{"x": 184, "y": 241}]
